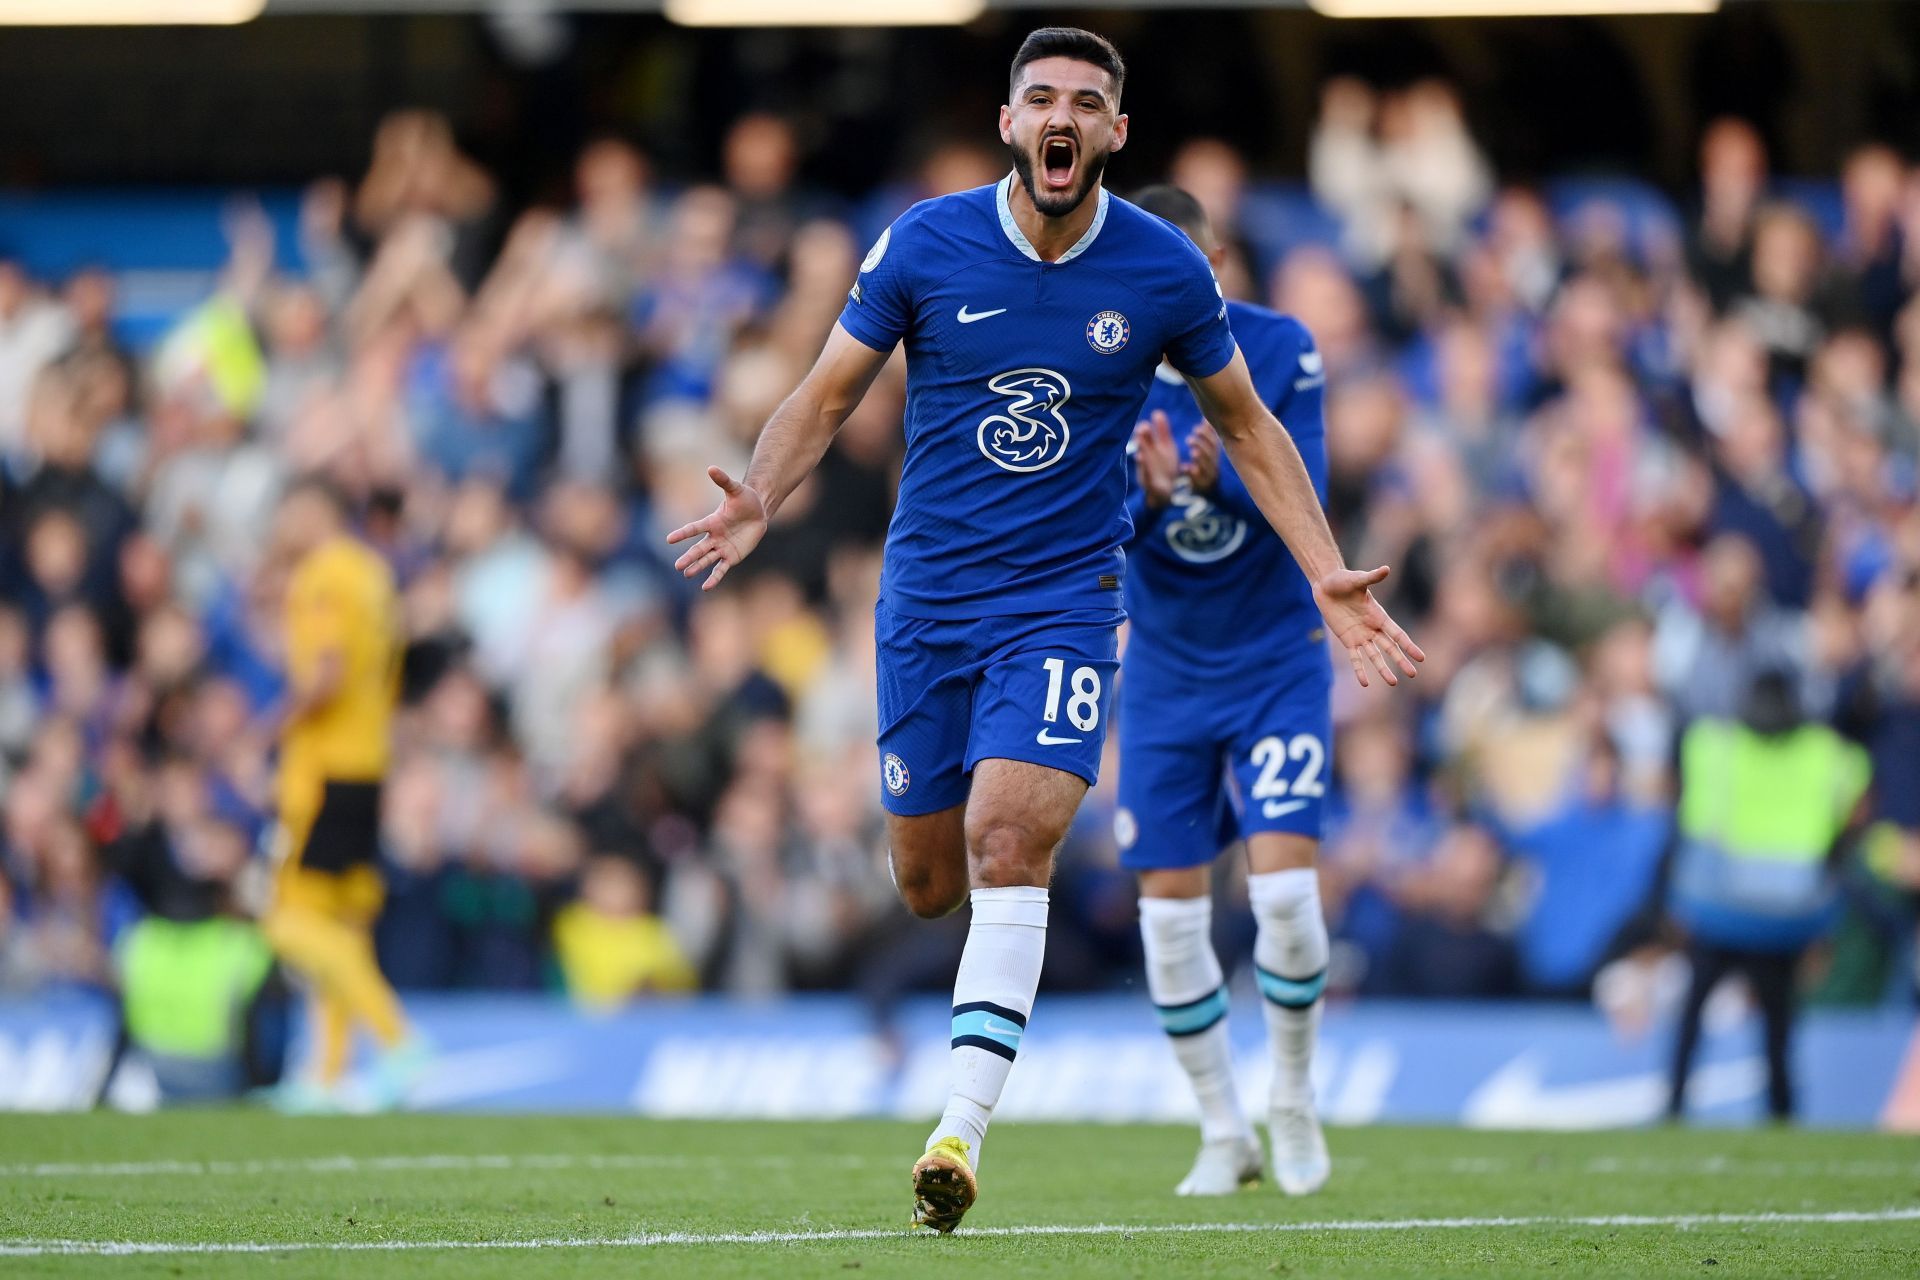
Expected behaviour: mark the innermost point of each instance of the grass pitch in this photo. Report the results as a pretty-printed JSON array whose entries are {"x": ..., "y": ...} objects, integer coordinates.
[{"x": 239, "y": 1193}]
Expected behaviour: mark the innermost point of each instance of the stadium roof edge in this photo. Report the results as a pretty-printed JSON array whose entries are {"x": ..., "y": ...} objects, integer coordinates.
[{"x": 523, "y": 7}]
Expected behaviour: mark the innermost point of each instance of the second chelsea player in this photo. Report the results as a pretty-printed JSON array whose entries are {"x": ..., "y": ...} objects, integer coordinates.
[
  {"x": 1034, "y": 312},
  {"x": 1225, "y": 630}
]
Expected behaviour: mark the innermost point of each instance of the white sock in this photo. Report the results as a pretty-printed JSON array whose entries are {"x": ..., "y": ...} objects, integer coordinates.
[
  {"x": 1189, "y": 991},
  {"x": 992, "y": 996},
  {"x": 1290, "y": 960}
]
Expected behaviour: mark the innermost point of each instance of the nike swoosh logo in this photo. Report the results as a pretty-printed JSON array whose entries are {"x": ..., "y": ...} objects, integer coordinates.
[
  {"x": 993, "y": 1028},
  {"x": 1046, "y": 739},
  {"x": 1281, "y": 808},
  {"x": 968, "y": 317}
]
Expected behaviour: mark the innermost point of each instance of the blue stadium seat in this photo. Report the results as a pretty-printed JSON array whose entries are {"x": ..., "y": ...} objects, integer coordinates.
[
  {"x": 1278, "y": 217},
  {"x": 1649, "y": 216},
  {"x": 163, "y": 247},
  {"x": 1820, "y": 197}
]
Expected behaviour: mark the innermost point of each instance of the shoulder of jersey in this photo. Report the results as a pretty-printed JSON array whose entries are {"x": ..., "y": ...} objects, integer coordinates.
[
  {"x": 1152, "y": 229},
  {"x": 1275, "y": 326},
  {"x": 1268, "y": 329},
  {"x": 937, "y": 217},
  {"x": 335, "y": 553},
  {"x": 347, "y": 558},
  {"x": 936, "y": 210}
]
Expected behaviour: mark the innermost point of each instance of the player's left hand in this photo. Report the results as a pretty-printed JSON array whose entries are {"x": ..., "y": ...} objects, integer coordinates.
[
  {"x": 1203, "y": 457},
  {"x": 727, "y": 536},
  {"x": 1371, "y": 638}
]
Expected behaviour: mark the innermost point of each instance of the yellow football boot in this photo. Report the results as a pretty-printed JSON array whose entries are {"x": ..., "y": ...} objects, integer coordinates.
[{"x": 943, "y": 1186}]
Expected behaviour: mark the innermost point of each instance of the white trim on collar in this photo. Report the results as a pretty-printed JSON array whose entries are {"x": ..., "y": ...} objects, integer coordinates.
[{"x": 1019, "y": 237}]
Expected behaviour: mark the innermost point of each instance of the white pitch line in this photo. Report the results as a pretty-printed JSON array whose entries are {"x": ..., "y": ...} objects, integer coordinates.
[
  {"x": 409, "y": 1164},
  {"x": 450, "y": 1163},
  {"x": 1605, "y": 1165},
  {"x": 655, "y": 1239}
]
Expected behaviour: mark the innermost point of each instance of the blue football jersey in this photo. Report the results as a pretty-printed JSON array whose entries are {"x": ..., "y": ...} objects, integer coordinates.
[
  {"x": 1211, "y": 587},
  {"x": 1024, "y": 381}
]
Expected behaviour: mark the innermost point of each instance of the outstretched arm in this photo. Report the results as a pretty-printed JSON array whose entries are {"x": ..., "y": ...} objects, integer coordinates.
[
  {"x": 790, "y": 446},
  {"x": 1269, "y": 464}
]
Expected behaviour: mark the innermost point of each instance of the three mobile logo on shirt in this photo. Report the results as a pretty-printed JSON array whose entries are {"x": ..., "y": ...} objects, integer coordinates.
[{"x": 1032, "y": 434}]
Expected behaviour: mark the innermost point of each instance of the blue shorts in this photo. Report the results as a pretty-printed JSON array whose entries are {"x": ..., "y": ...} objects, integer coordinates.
[
  {"x": 1032, "y": 687},
  {"x": 1206, "y": 761}
]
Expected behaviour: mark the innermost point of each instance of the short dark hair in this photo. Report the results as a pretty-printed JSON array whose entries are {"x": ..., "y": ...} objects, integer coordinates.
[
  {"x": 1070, "y": 42},
  {"x": 1164, "y": 200},
  {"x": 1770, "y": 705}
]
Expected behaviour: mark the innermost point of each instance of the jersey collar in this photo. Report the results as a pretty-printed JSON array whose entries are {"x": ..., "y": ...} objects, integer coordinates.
[{"x": 1019, "y": 237}]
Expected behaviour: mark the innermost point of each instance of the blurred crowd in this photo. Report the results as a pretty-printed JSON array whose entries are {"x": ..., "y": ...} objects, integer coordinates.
[{"x": 1623, "y": 464}]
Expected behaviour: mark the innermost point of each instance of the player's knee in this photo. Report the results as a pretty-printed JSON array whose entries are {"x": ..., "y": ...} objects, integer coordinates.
[
  {"x": 928, "y": 891},
  {"x": 927, "y": 895},
  {"x": 926, "y": 857},
  {"x": 1002, "y": 852}
]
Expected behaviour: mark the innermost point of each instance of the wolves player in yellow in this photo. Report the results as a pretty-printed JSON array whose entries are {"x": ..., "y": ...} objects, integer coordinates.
[{"x": 343, "y": 664}]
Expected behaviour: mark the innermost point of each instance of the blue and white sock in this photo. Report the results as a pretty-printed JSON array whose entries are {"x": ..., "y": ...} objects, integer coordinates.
[
  {"x": 1290, "y": 959},
  {"x": 1190, "y": 993},
  {"x": 992, "y": 997}
]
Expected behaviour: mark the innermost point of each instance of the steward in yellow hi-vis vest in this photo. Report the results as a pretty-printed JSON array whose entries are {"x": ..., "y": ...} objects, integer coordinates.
[
  {"x": 1765, "y": 801},
  {"x": 1759, "y": 815},
  {"x": 343, "y": 644}
]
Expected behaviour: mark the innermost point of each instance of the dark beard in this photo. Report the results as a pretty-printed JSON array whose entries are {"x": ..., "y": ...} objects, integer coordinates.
[{"x": 1057, "y": 204}]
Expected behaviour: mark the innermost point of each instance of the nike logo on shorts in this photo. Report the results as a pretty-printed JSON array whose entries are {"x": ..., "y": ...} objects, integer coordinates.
[
  {"x": 1046, "y": 739},
  {"x": 1281, "y": 808}
]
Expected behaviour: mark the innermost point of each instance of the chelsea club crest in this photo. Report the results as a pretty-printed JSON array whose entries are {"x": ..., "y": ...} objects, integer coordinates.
[{"x": 1107, "y": 332}]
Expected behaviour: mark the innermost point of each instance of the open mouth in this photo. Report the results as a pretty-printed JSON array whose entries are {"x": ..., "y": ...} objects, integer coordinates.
[{"x": 1056, "y": 162}]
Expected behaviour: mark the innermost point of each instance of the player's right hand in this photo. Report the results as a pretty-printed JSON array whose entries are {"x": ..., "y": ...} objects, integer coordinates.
[
  {"x": 1362, "y": 627},
  {"x": 727, "y": 536},
  {"x": 1156, "y": 459}
]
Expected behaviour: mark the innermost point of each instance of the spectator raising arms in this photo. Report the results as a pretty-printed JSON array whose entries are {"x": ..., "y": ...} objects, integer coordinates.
[{"x": 1619, "y": 471}]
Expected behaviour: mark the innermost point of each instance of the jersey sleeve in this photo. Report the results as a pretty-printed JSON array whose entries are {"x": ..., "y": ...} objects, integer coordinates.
[
  {"x": 879, "y": 308},
  {"x": 1202, "y": 343}
]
